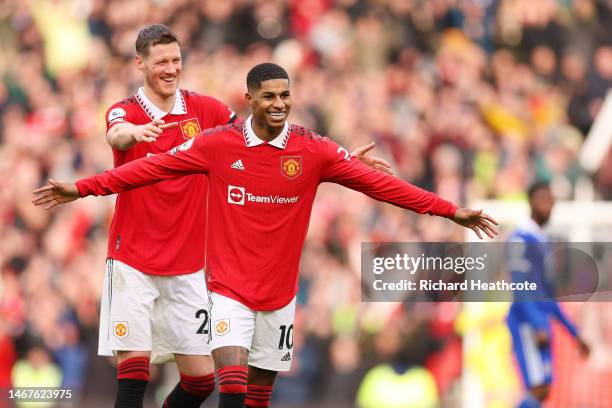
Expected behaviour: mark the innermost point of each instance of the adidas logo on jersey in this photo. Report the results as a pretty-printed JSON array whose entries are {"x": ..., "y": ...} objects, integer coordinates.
[
  {"x": 286, "y": 357},
  {"x": 238, "y": 165}
]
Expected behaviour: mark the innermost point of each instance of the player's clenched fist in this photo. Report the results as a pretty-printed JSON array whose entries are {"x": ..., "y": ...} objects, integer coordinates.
[{"x": 149, "y": 132}]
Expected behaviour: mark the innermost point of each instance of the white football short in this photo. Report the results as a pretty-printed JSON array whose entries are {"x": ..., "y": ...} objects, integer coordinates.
[
  {"x": 161, "y": 314},
  {"x": 267, "y": 335}
]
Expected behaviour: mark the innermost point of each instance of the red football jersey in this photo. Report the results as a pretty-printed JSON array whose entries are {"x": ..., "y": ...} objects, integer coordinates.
[
  {"x": 160, "y": 229},
  {"x": 260, "y": 200}
]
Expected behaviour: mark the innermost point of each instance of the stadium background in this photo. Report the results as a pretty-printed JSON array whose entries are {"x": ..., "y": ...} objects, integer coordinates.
[{"x": 469, "y": 98}]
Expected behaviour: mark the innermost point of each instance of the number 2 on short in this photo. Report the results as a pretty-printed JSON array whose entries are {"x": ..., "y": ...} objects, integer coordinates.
[
  {"x": 204, "y": 327},
  {"x": 286, "y": 337}
]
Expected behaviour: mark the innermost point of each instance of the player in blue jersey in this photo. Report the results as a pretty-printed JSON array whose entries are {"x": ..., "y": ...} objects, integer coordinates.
[{"x": 529, "y": 319}]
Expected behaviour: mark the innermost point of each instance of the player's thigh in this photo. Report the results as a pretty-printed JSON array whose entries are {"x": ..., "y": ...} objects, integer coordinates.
[
  {"x": 126, "y": 310},
  {"x": 272, "y": 347},
  {"x": 182, "y": 315},
  {"x": 232, "y": 323}
]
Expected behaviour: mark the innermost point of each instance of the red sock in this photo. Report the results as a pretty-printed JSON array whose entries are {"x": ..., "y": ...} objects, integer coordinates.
[
  {"x": 201, "y": 386},
  {"x": 132, "y": 379},
  {"x": 258, "y": 396},
  {"x": 232, "y": 380},
  {"x": 135, "y": 368},
  {"x": 190, "y": 392}
]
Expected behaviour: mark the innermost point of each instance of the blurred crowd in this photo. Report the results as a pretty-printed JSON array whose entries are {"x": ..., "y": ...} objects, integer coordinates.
[{"x": 469, "y": 98}]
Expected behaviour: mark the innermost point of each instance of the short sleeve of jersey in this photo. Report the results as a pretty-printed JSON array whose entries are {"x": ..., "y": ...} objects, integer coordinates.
[{"x": 117, "y": 113}]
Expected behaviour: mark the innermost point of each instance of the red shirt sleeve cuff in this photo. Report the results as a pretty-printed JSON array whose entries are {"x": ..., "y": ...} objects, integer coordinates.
[
  {"x": 82, "y": 187},
  {"x": 444, "y": 208}
]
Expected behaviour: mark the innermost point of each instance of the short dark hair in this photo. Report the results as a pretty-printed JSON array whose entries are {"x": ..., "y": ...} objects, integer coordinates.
[
  {"x": 264, "y": 72},
  {"x": 152, "y": 35},
  {"x": 537, "y": 186}
]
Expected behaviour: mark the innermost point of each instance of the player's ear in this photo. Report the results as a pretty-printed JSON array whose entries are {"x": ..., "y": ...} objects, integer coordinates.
[
  {"x": 139, "y": 62},
  {"x": 249, "y": 99}
]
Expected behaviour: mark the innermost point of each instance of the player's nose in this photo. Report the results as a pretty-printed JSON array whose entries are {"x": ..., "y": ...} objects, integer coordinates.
[
  {"x": 278, "y": 103},
  {"x": 172, "y": 68}
]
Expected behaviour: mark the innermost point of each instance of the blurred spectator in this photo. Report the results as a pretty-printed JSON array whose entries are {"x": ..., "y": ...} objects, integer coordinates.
[
  {"x": 36, "y": 370},
  {"x": 385, "y": 386}
]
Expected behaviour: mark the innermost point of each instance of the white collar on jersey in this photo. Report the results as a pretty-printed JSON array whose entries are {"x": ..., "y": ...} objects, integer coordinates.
[
  {"x": 154, "y": 112},
  {"x": 530, "y": 226},
  {"x": 251, "y": 139}
]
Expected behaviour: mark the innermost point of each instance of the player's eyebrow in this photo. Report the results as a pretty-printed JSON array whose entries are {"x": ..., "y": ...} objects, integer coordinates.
[
  {"x": 166, "y": 59},
  {"x": 266, "y": 93}
]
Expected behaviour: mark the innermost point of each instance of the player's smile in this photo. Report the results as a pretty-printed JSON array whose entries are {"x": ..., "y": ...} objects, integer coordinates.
[
  {"x": 169, "y": 81},
  {"x": 277, "y": 116}
]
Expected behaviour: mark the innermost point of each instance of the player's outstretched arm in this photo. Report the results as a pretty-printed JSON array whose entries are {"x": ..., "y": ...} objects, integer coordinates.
[
  {"x": 338, "y": 168},
  {"x": 374, "y": 162},
  {"x": 477, "y": 221},
  {"x": 55, "y": 193}
]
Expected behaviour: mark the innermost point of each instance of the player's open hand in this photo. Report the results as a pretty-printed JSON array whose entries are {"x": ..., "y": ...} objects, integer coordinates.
[
  {"x": 149, "y": 132},
  {"x": 55, "y": 193},
  {"x": 374, "y": 162},
  {"x": 477, "y": 221}
]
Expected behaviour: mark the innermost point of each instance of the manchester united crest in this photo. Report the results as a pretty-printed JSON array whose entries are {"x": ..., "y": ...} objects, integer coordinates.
[
  {"x": 120, "y": 329},
  {"x": 222, "y": 327},
  {"x": 291, "y": 166},
  {"x": 190, "y": 127}
]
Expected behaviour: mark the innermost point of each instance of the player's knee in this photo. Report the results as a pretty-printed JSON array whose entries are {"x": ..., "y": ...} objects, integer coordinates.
[
  {"x": 126, "y": 355},
  {"x": 259, "y": 376},
  {"x": 230, "y": 356},
  {"x": 194, "y": 366}
]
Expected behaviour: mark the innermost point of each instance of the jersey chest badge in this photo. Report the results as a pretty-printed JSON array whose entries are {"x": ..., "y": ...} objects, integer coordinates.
[
  {"x": 190, "y": 127},
  {"x": 291, "y": 166}
]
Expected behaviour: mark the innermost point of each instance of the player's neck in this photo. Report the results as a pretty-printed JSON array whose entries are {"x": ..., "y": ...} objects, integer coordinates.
[
  {"x": 164, "y": 103},
  {"x": 540, "y": 222},
  {"x": 265, "y": 132}
]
